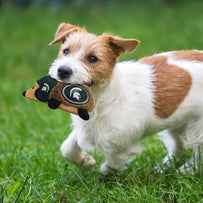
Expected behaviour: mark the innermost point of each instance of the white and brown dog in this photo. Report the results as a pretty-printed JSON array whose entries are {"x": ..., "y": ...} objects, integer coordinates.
[{"x": 133, "y": 100}]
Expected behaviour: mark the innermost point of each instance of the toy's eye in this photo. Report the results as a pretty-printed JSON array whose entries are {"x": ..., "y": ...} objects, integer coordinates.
[
  {"x": 92, "y": 59},
  {"x": 65, "y": 51}
]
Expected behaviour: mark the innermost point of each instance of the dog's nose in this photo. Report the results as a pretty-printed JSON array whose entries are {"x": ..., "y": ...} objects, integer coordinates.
[{"x": 64, "y": 72}]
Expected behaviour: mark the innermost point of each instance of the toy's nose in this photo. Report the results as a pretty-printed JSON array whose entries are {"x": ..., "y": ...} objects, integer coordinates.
[
  {"x": 64, "y": 72},
  {"x": 24, "y": 93}
]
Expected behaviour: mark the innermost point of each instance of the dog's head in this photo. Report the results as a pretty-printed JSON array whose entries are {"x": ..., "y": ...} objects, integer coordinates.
[{"x": 85, "y": 58}]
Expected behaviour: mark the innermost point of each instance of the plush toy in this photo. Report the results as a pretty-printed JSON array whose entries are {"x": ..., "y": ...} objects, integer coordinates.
[{"x": 76, "y": 99}]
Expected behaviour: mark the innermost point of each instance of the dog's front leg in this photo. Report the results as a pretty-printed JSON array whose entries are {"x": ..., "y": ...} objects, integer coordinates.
[{"x": 73, "y": 153}]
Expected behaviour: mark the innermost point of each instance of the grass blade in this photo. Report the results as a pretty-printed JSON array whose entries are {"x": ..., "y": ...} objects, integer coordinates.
[
  {"x": 76, "y": 173},
  {"x": 14, "y": 188},
  {"x": 21, "y": 189},
  {"x": 1, "y": 194}
]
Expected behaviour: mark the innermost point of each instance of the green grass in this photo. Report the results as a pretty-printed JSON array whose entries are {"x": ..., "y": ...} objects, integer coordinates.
[{"x": 32, "y": 168}]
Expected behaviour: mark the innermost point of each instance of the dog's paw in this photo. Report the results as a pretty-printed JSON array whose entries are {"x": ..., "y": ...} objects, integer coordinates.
[
  {"x": 164, "y": 165},
  {"x": 88, "y": 162},
  {"x": 161, "y": 168},
  {"x": 188, "y": 168},
  {"x": 106, "y": 170}
]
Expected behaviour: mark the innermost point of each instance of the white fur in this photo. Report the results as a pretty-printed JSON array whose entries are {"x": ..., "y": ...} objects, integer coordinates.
[
  {"x": 79, "y": 69},
  {"x": 124, "y": 114}
]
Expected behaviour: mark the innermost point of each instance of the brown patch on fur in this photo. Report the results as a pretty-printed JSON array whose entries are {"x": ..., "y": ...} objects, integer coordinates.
[
  {"x": 101, "y": 71},
  {"x": 63, "y": 31},
  {"x": 108, "y": 49},
  {"x": 120, "y": 45},
  {"x": 189, "y": 55},
  {"x": 172, "y": 85}
]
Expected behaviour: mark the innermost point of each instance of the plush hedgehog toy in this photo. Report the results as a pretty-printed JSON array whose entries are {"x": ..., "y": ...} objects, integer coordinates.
[{"x": 76, "y": 99}]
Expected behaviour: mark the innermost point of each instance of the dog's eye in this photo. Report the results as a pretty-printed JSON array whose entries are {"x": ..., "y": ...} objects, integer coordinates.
[
  {"x": 65, "y": 51},
  {"x": 92, "y": 59}
]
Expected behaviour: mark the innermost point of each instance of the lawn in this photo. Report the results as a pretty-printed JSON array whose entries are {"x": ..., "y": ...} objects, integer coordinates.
[{"x": 32, "y": 168}]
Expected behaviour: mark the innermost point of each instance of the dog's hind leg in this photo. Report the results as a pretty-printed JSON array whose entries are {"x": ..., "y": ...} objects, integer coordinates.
[
  {"x": 73, "y": 153},
  {"x": 195, "y": 163},
  {"x": 195, "y": 140},
  {"x": 173, "y": 141}
]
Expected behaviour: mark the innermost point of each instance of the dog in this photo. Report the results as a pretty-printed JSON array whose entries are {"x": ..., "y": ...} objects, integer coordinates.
[{"x": 161, "y": 94}]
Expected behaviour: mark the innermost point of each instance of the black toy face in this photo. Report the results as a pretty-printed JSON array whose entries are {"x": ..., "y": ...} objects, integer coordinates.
[
  {"x": 46, "y": 84},
  {"x": 75, "y": 94}
]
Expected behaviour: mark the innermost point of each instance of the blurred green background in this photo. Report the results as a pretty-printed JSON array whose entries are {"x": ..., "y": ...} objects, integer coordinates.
[
  {"x": 30, "y": 133},
  {"x": 26, "y": 30}
]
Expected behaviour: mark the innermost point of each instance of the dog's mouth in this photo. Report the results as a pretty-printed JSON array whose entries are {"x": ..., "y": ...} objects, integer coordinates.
[
  {"x": 66, "y": 80},
  {"x": 89, "y": 84}
]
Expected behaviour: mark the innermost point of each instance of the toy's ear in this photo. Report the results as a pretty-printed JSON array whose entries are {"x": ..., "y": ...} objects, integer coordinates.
[
  {"x": 53, "y": 104},
  {"x": 120, "y": 45},
  {"x": 63, "y": 31},
  {"x": 83, "y": 114}
]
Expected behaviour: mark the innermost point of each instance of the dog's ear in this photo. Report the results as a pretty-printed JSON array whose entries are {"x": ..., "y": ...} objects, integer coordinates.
[
  {"x": 120, "y": 45},
  {"x": 63, "y": 31}
]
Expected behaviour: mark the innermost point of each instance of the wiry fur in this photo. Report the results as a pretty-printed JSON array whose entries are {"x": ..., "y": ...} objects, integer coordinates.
[{"x": 125, "y": 98}]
